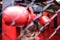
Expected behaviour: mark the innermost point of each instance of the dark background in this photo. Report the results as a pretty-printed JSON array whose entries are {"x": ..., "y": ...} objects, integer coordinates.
[{"x": 0, "y": 18}]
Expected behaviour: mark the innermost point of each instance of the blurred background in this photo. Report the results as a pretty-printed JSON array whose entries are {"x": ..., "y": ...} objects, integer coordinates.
[{"x": 37, "y": 7}]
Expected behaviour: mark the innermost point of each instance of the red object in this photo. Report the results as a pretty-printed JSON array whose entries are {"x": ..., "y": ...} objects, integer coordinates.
[
  {"x": 58, "y": 19},
  {"x": 8, "y": 32},
  {"x": 18, "y": 14},
  {"x": 44, "y": 19},
  {"x": 40, "y": 37}
]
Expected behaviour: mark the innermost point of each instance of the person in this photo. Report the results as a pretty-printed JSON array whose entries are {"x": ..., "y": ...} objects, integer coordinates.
[{"x": 18, "y": 16}]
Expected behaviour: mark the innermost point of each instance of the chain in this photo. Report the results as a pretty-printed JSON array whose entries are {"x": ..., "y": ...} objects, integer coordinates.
[
  {"x": 32, "y": 22},
  {"x": 54, "y": 32}
]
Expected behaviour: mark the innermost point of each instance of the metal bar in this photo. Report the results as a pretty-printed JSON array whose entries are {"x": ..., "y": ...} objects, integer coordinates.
[
  {"x": 49, "y": 1},
  {"x": 30, "y": 4},
  {"x": 7, "y": 35},
  {"x": 54, "y": 32},
  {"x": 41, "y": 29},
  {"x": 33, "y": 20}
]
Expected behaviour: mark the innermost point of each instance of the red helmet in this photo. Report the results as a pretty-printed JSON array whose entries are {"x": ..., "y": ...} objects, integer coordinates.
[
  {"x": 44, "y": 19},
  {"x": 17, "y": 14}
]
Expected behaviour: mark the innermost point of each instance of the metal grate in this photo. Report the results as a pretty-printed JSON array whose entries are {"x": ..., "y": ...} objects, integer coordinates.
[{"x": 32, "y": 22}]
